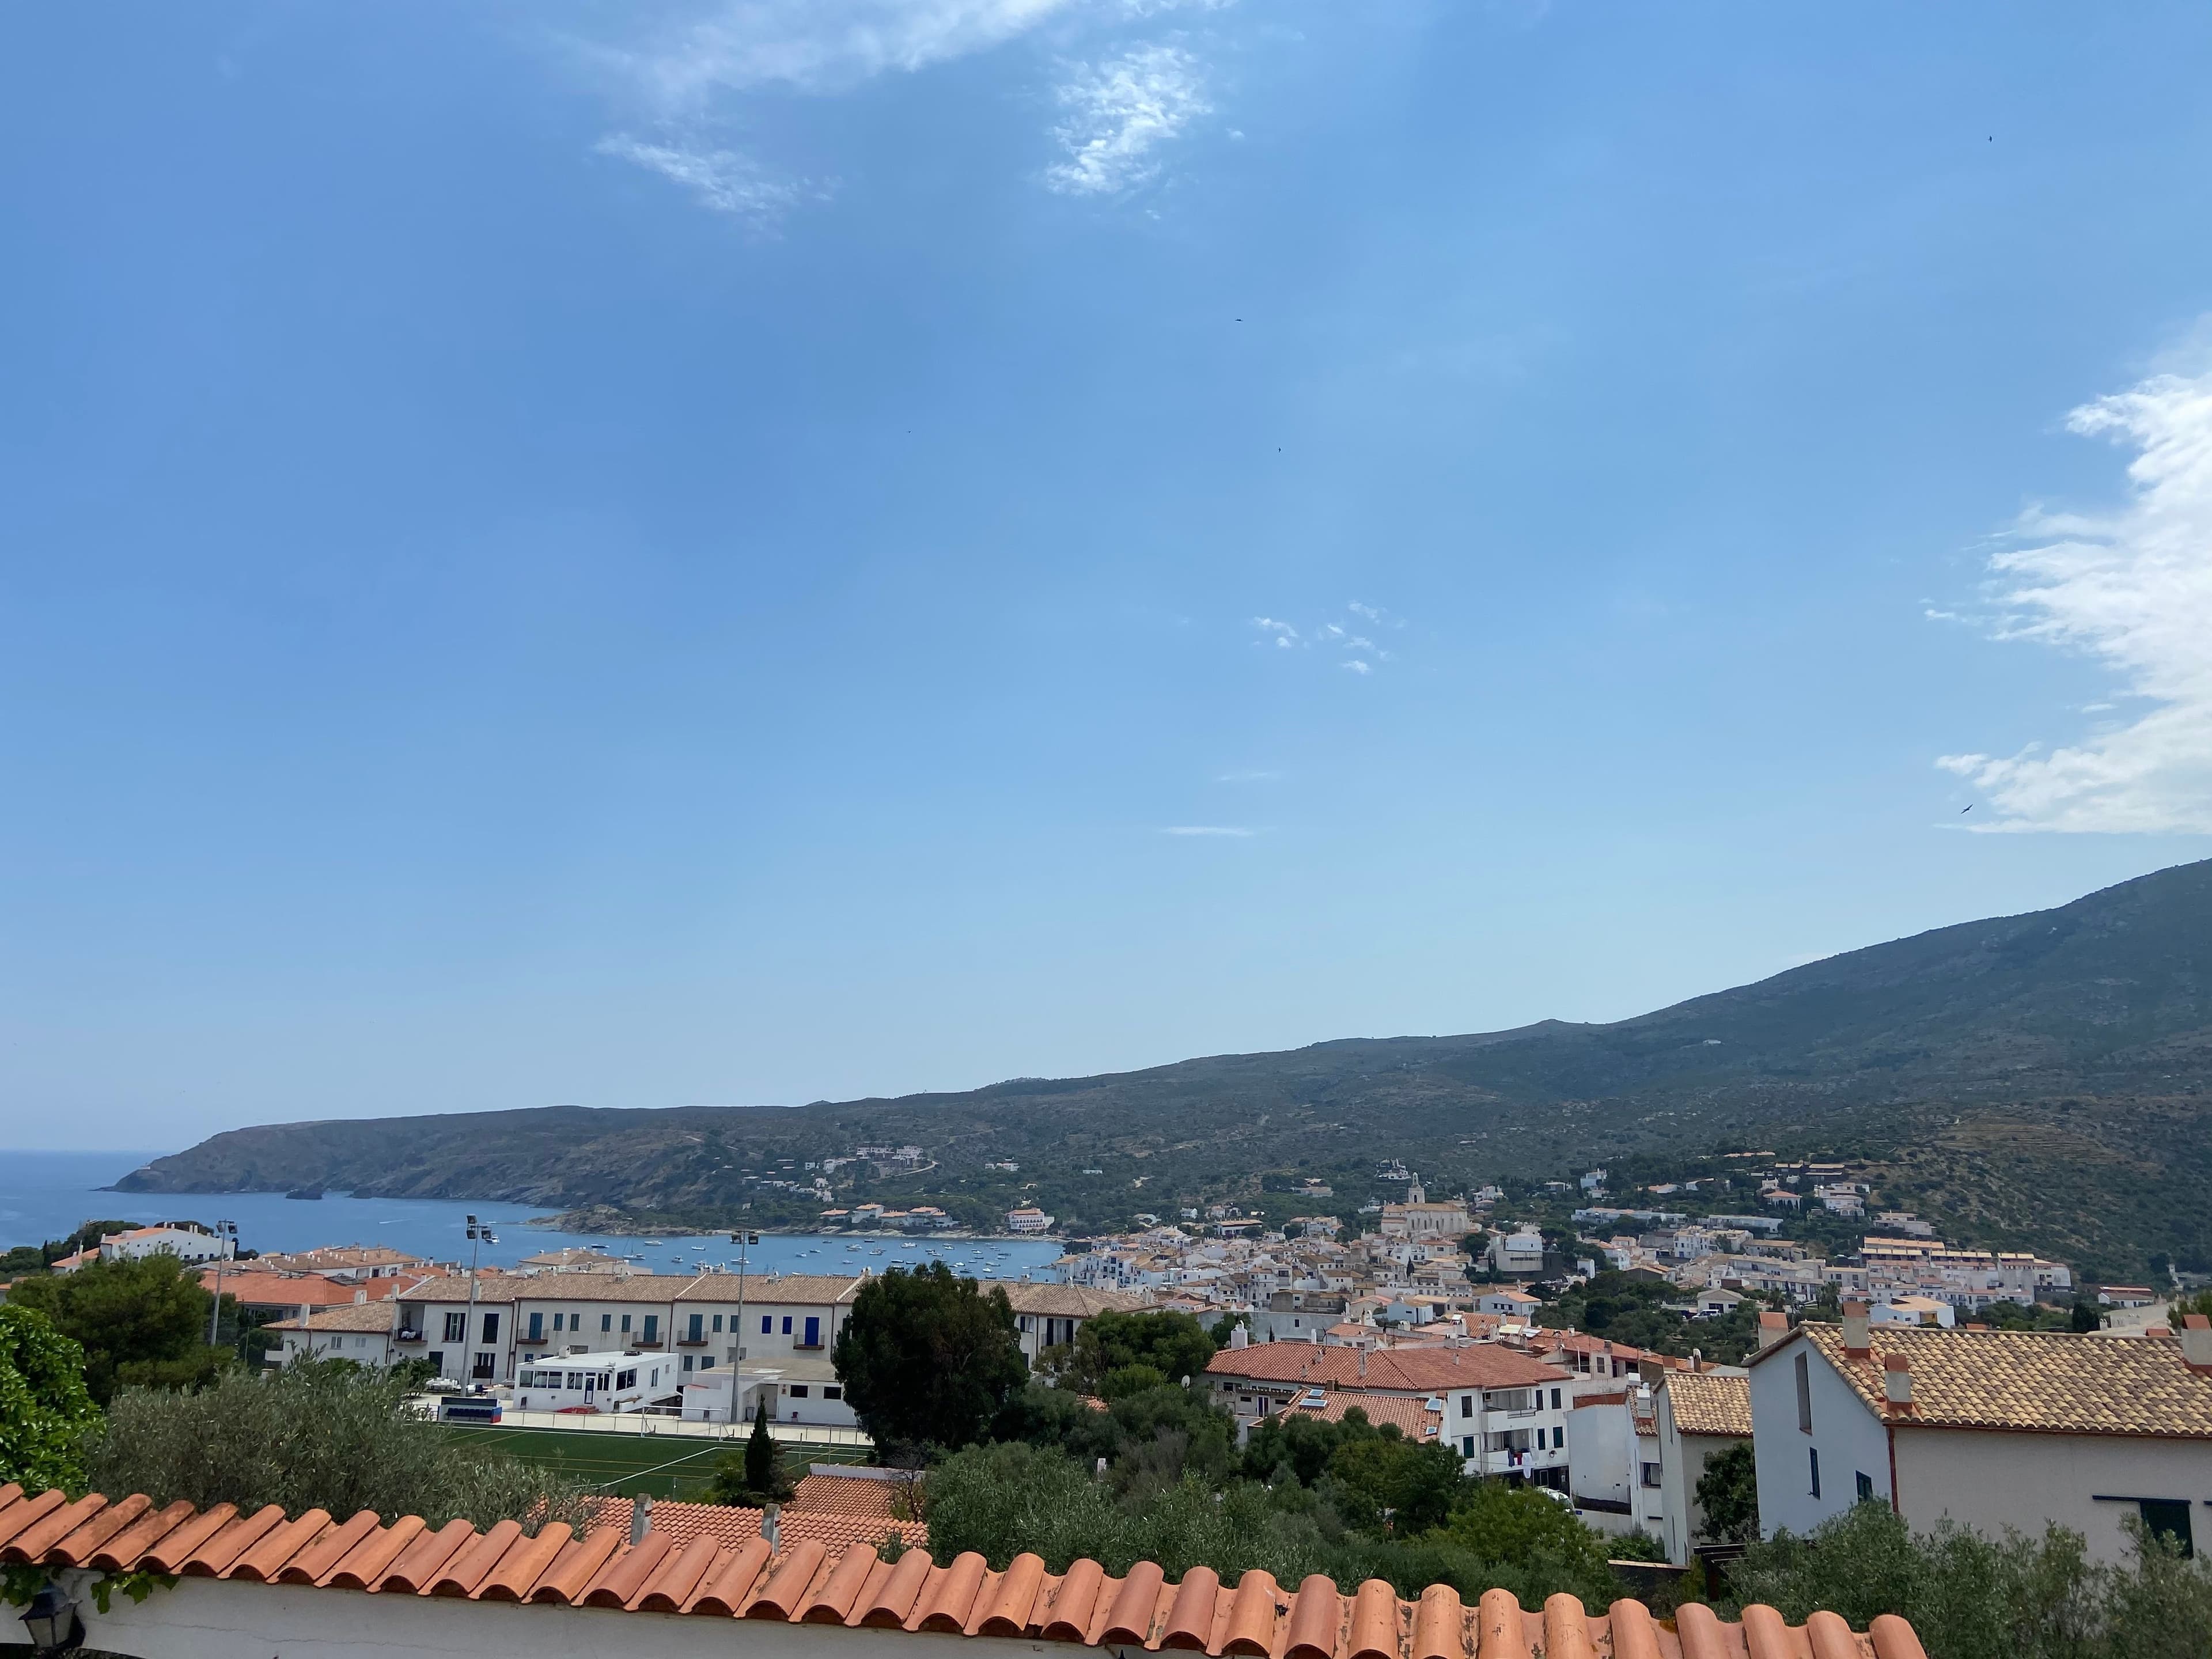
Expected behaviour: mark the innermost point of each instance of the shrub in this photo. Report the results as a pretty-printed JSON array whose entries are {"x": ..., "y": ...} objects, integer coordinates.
[{"x": 315, "y": 1436}]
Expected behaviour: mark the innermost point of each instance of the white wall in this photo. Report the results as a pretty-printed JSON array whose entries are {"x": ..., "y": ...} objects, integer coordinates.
[
  {"x": 1989, "y": 1480},
  {"x": 1851, "y": 1440}
]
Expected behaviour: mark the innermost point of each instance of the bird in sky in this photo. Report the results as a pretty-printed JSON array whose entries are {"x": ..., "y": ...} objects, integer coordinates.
[{"x": 1967, "y": 808}]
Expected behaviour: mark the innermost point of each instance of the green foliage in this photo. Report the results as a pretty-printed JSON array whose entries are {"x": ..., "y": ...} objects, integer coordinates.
[
  {"x": 1130, "y": 1380},
  {"x": 44, "y": 1410},
  {"x": 756, "y": 1475},
  {"x": 1385, "y": 1484},
  {"x": 2181, "y": 1305},
  {"x": 1003, "y": 1500},
  {"x": 1625, "y": 1308},
  {"x": 1728, "y": 1492},
  {"x": 928, "y": 1358},
  {"x": 1637, "y": 1546},
  {"x": 1970, "y": 1597},
  {"x": 141, "y": 1323},
  {"x": 1171, "y": 1346},
  {"x": 1526, "y": 1529},
  {"x": 2085, "y": 1317},
  {"x": 313, "y": 1435}
]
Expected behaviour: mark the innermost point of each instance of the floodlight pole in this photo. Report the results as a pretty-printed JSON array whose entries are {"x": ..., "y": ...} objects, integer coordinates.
[
  {"x": 223, "y": 1230},
  {"x": 743, "y": 1238}
]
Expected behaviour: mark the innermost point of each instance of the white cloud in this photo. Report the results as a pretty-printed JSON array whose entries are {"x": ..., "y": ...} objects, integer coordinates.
[
  {"x": 1119, "y": 112},
  {"x": 1357, "y": 666},
  {"x": 816, "y": 46},
  {"x": 1375, "y": 614},
  {"x": 1284, "y": 634},
  {"x": 2133, "y": 589},
  {"x": 1207, "y": 829},
  {"x": 723, "y": 179}
]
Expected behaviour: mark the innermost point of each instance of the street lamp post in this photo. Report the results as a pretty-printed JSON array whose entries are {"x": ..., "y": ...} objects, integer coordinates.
[
  {"x": 226, "y": 1240},
  {"x": 743, "y": 1238},
  {"x": 480, "y": 1234}
]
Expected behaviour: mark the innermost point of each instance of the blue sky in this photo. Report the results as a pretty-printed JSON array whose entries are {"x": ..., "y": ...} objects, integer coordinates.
[{"x": 655, "y": 554}]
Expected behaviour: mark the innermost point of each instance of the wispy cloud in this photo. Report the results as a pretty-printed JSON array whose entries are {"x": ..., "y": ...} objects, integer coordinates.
[
  {"x": 1209, "y": 829},
  {"x": 1360, "y": 652},
  {"x": 1120, "y": 112},
  {"x": 816, "y": 46},
  {"x": 2133, "y": 589},
  {"x": 723, "y": 179}
]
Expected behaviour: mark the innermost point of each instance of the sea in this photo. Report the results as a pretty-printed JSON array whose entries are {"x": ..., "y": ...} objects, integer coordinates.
[{"x": 47, "y": 1195}]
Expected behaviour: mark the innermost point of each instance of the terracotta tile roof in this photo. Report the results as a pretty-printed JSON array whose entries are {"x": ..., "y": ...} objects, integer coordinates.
[
  {"x": 454, "y": 1287},
  {"x": 255, "y": 1290},
  {"x": 808, "y": 1289},
  {"x": 353, "y": 1316},
  {"x": 1705, "y": 1403},
  {"x": 845, "y": 1494},
  {"x": 1066, "y": 1301},
  {"x": 734, "y": 1526},
  {"x": 1414, "y": 1418},
  {"x": 812, "y": 1583},
  {"x": 1397, "y": 1370},
  {"x": 2035, "y": 1381}
]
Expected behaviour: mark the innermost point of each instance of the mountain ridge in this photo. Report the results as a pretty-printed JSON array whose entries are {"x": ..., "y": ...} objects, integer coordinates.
[{"x": 2072, "y": 1039}]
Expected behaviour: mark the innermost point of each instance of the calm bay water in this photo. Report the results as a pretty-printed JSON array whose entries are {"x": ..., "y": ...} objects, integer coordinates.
[{"x": 46, "y": 1194}]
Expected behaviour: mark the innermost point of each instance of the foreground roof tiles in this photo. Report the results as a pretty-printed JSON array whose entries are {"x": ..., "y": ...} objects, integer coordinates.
[
  {"x": 2032, "y": 1381},
  {"x": 811, "y": 1583}
]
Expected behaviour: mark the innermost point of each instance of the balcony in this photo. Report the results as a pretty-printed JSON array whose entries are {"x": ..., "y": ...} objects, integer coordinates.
[
  {"x": 691, "y": 1342},
  {"x": 648, "y": 1342},
  {"x": 408, "y": 1336}
]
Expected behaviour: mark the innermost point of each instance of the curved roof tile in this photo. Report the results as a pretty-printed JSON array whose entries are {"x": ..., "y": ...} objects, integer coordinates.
[{"x": 702, "y": 1572}]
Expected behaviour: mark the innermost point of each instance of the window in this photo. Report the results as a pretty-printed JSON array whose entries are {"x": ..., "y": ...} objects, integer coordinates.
[
  {"x": 766, "y": 1325},
  {"x": 813, "y": 1334},
  {"x": 607, "y": 1322},
  {"x": 1467, "y": 1445},
  {"x": 437, "y": 1362},
  {"x": 1555, "y": 1400},
  {"x": 625, "y": 1379},
  {"x": 687, "y": 1361},
  {"x": 1559, "y": 1440},
  {"x": 491, "y": 1327},
  {"x": 706, "y": 1362},
  {"x": 482, "y": 1371},
  {"x": 797, "y": 1391},
  {"x": 2169, "y": 1518},
  {"x": 653, "y": 1327},
  {"x": 1816, "y": 1470},
  {"x": 718, "y": 1324},
  {"x": 695, "y": 1332},
  {"x": 833, "y": 1392},
  {"x": 1865, "y": 1485},
  {"x": 537, "y": 1328},
  {"x": 787, "y": 1324},
  {"x": 1650, "y": 1475},
  {"x": 1805, "y": 1405},
  {"x": 1467, "y": 1407},
  {"x": 625, "y": 1324},
  {"x": 457, "y": 1328}
]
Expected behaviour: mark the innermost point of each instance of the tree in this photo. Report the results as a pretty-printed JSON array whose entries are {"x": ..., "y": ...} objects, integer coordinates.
[
  {"x": 1173, "y": 1345},
  {"x": 1728, "y": 1492},
  {"x": 1524, "y": 1528},
  {"x": 756, "y": 1475},
  {"x": 927, "y": 1358},
  {"x": 140, "y": 1323},
  {"x": 1392, "y": 1485},
  {"x": 44, "y": 1410},
  {"x": 316, "y": 1435},
  {"x": 2085, "y": 1317}
]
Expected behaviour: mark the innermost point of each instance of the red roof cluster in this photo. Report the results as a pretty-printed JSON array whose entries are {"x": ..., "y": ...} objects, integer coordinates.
[{"x": 807, "y": 1583}]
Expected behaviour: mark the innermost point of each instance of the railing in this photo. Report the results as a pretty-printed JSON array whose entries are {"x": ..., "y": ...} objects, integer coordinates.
[{"x": 409, "y": 1336}]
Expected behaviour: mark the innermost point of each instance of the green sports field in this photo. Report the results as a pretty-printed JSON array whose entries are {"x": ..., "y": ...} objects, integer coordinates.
[{"x": 664, "y": 1466}]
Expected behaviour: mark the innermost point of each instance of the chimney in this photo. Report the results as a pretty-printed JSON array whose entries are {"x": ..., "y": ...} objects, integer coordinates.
[
  {"x": 1855, "y": 1343},
  {"x": 1647, "y": 1371},
  {"x": 1362, "y": 1364},
  {"x": 1897, "y": 1382},
  {"x": 640, "y": 1518},
  {"x": 2196, "y": 1343},
  {"x": 1773, "y": 1327},
  {"x": 1239, "y": 1337},
  {"x": 771, "y": 1515}
]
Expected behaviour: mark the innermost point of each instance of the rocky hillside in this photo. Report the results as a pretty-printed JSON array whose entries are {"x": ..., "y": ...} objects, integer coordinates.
[{"x": 2039, "y": 1079}]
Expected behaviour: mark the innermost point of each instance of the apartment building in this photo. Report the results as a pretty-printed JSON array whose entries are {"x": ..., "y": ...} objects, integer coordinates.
[
  {"x": 1049, "y": 1315},
  {"x": 1991, "y": 1428},
  {"x": 359, "y": 1331},
  {"x": 1506, "y": 1411}
]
